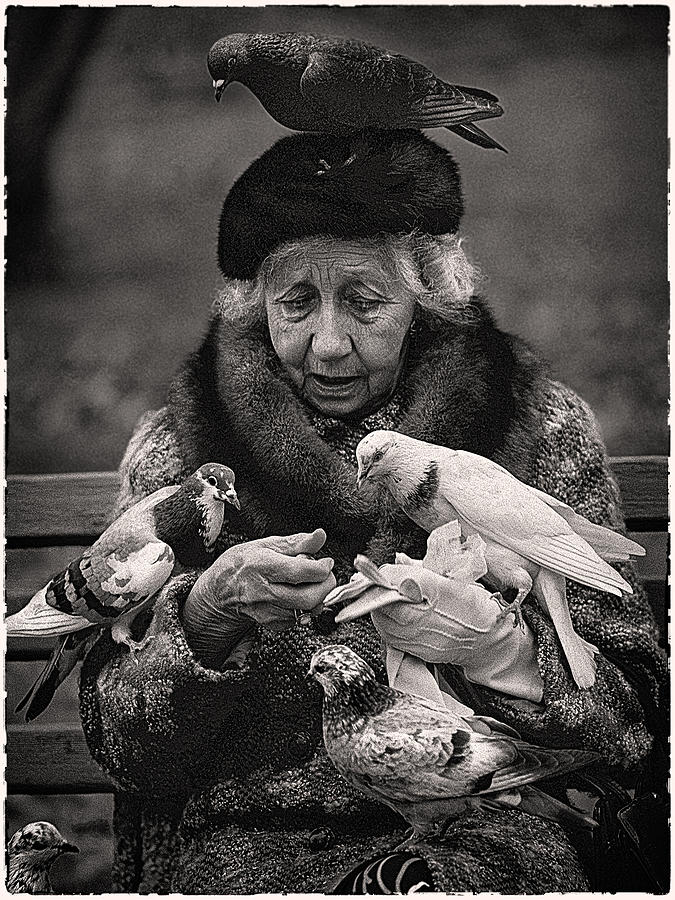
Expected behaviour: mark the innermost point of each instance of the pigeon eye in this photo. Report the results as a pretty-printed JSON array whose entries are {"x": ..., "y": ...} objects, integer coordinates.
[
  {"x": 212, "y": 480},
  {"x": 40, "y": 845}
]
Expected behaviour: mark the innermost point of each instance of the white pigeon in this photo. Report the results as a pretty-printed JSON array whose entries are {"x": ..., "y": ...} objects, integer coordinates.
[{"x": 533, "y": 541}]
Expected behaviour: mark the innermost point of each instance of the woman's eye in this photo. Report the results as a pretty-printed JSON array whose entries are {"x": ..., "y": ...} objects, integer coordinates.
[
  {"x": 364, "y": 305},
  {"x": 295, "y": 307}
]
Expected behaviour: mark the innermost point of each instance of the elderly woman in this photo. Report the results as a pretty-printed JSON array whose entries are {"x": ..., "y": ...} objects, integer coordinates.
[{"x": 347, "y": 306}]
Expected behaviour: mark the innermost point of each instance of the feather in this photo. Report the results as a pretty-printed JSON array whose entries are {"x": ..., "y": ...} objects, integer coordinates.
[
  {"x": 471, "y": 132},
  {"x": 38, "y": 619},
  {"x": 530, "y": 537},
  {"x": 68, "y": 652},
  {"x": 315, "y": 83},
  {"x": 423, "y": 760}
]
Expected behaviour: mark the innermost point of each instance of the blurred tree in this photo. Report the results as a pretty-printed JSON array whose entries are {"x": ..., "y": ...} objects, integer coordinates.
[{"x": 45, "y": 52}]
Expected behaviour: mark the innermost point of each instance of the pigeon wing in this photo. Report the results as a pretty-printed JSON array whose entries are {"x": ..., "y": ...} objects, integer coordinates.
[
  {"x": 100, "y": 586},
  {"x": 449, "y": 104},
  {"x": 377, "y": 90},
  {"x": 607, "y": 543},
  {"x": 416, "y": 752},
  {"x": 532, "y": 763},
  {"x": 500, "y": 507},
  {"x": 435, "y": 757}
]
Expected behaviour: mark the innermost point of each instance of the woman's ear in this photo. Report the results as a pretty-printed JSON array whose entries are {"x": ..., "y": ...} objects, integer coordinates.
[{"x": 447, "y": 273}]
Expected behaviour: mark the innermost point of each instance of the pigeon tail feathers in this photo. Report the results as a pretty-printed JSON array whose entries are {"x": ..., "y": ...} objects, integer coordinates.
[
  {"x": 68, "y": 652},
  {"x": 580, "y": 654},
  {"x": 471, "y": 132},
  {"x": 39, "y": 619},
  {"x": 539, "y": 803}
]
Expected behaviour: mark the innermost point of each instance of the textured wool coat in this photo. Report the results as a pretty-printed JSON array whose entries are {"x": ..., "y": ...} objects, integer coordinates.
[{"x": 223, "y": 782}]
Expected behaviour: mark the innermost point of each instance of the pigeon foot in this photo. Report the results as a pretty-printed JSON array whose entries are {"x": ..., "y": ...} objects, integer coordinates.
[
  {"x": 411, "y": 838},
  {"x": 136, "y": 646},
  {"x": 510, "y": 609}
]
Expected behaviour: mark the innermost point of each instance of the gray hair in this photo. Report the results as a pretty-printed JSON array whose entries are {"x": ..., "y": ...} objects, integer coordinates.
[{"x": 432, "y": 268}]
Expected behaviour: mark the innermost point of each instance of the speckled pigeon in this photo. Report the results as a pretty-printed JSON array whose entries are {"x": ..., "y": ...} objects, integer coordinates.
[
  {"x": 31, "y": 852},
  {"x": 122, "y": 572},
  {"x": 316, "y": 83},
  {"x": 423, "y": 760}
]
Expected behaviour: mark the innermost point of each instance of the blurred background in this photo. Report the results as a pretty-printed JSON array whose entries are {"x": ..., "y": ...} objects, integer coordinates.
[{"x": 118, "y": 159}]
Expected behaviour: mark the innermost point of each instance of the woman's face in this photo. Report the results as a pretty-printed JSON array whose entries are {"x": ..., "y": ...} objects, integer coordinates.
[{"x": 338, "y": 324}]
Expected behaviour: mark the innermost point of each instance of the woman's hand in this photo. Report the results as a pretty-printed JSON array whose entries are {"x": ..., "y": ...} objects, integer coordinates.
[
  {"x": 460, "y": 623},
  {"x": 262, "y": 581}
]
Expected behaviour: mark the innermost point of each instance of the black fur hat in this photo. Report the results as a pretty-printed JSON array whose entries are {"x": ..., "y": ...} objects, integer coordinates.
[{"x": 346, "y": 186}]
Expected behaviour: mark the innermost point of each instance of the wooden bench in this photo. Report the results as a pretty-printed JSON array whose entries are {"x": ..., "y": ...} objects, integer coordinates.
[{"x": 49, "y": 518}]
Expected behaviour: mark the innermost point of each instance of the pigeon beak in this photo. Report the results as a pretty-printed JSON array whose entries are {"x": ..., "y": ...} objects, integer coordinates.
[
  {"x": 219, "y": 86},
  {"x": 231, "y": 497},
  {"x": 68, "y": 848},
  {"x": 362, "y": 474},
  {"x": 228, "y": 496}
]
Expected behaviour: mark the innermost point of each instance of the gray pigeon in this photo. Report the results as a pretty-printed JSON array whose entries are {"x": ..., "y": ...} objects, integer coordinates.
[
  {"x": 31, "y": 852},
  {"x": 122, "y": 573},
  {"x": 426, "y": 762}
]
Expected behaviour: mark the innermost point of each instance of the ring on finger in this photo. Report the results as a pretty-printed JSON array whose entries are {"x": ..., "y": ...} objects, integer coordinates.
[{"x": 301, "y": 618}]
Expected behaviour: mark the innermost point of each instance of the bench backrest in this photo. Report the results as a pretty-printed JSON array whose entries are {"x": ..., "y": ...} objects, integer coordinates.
[{"x": 49, "y": 518}]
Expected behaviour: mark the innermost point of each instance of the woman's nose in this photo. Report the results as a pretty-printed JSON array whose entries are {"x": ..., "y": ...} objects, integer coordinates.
[{"x": 331, "y": 339}]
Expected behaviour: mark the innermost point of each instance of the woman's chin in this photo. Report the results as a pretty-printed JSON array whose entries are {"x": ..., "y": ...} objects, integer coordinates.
[{"x": 339, "y": 408}]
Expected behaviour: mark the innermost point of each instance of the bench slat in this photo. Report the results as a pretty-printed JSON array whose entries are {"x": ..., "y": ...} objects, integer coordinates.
[
  {"x": 51, "y": 760},
  {"x": 643, "y": 482},
  {"x": 43, "y": 506},
  {"x": 58, "y": 506}
]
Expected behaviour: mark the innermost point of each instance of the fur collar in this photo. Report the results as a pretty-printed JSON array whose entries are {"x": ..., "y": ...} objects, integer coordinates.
[{"x": 471, "y": 388}]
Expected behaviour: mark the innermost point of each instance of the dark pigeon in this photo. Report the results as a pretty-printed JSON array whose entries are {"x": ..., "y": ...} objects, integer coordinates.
[{"x": 315, "y": 83}]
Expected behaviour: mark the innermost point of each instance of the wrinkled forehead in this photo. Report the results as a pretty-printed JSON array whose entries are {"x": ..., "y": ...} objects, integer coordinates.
[{"x": 315, "y": 259}]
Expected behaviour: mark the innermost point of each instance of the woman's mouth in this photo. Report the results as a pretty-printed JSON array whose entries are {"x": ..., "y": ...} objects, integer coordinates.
[
  {"x": 332, "y": 386},
  {"x": 334, "y": 380}
]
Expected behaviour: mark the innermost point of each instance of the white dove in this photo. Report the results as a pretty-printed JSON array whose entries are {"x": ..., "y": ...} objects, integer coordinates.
[{"x": 533, "y": 541}]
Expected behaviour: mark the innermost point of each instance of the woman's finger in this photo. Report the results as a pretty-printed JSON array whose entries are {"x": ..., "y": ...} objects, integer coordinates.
[
  {"x": 292, "y": 544},
  {"x": 289, "y": 596},
  {"x": 276, "y": 567}
]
